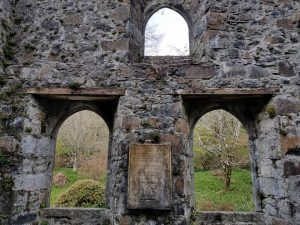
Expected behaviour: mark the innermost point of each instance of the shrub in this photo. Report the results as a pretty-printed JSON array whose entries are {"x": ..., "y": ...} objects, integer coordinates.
[
  {"x": 95, "y": 166},
  {"x": 83, "y": 193},
  {"x": 59, "y": 179}
]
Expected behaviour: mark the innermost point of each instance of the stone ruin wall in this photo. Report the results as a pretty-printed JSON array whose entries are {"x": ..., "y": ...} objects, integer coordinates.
[{"x": 235, "y": 45}]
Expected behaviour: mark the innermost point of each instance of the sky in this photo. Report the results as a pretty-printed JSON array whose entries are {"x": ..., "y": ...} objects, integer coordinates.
[{"x": 172, "y": 25}]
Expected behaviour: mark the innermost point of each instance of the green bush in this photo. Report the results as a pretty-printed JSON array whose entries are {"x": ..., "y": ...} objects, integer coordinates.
[{"x": 83, "y": 193}]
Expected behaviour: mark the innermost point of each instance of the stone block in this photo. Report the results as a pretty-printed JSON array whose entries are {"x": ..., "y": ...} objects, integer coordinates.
[
  {"x": 179, "y": 186},
  {"x": 287, "y": 105},
  {"x": 182, "y": 126},
  {"x": 122, "y": 13},
  {"x": 129, "y": 122},
  {"x": 291, "y": 167},
  {"x": 201, "y": 72},
  {"x": 119, "y": 45},
  {"x": 215, "y": 20},
  {"x": 153, "y": 122},
  {"x": 233, "y": 53},
  {"x": 28, "y": 145},
  {"x": 277, "y": 221},
  {"x": 31, "y": 182},
  {"x": 286, "y": 69},
  {"x": 293, "y": 188},
  {"x": 149, "y": 177},
  {"x": 72, "y": 20},
  {"x": 258, "y": 72},
  {"x": 171, "y": 109},
  {"x": 8, "y": 144},
  {"x": 272, "y": 187},
  {"x": 285, "y": 24},
  {"x": 289, "y": 143},
  {"x": 50, "y": 25}
]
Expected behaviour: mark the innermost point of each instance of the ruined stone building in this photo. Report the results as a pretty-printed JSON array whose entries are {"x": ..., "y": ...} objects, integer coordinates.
[{"x": 62, "y": 56}]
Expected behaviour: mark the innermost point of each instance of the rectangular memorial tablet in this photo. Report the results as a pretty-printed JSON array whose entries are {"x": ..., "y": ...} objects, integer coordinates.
[{"x": 149, "y": 177}]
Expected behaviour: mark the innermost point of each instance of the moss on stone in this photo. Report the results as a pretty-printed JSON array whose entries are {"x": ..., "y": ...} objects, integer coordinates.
[
  {"x": 155, "y": 136},
  {"x": 271, "y": 110},
  {"x": 44, "y": 222},
  {"x": 7, "y": 184},
  {"x": 3, "y": 80},
  {"x": 3, "y": 218},
  {"x": 74, "y": 85},
  {"x": 3, "y": 159}
]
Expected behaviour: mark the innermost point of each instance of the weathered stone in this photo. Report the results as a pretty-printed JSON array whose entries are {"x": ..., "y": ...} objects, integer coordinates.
[
  {"x": 29, "y": 182},
  {"x": 8, "y": 144},
  {"x": 291, "y": 168},
  {"x": 233, "y": 53},
  {"x": 121, "y": 45},
  {"x": 257, "y": 72},
  {"x": 90, "y": 216},
  {"x": 215, "y": 21},
  {"x": 72, "y": 20},
  {"x": 182, "y": 126},
  {"x": 285, "y": 23},
  {"x": 244, "y": 54},
  {"x": 289, "y": 143},
  {"x": 122, "y": 13},
  {"x": 149, "y": 180},
  {"x": 179, "y": 186},
  {"x": 201, "y": 72},
  {"x": 50, "y": 25},
  {"x": 286, "y": 69},
  {"x": 285, "y": 106},
  {"x": 129, "y": 122}
]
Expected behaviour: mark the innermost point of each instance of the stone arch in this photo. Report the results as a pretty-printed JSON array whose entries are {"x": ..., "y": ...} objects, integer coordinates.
[
  {"x": 154, "y": 7},
  {"x": 59, "y": 111},
  {"x": 247, "y": 115},
  {"x": 77, "y": 107}
]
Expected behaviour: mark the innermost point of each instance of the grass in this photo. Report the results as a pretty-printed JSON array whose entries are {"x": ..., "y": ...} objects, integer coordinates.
[
  {"x": 210, "y": 195},
  {"x": 72, "y": 177},
  {"x": 209, "y": 190}
]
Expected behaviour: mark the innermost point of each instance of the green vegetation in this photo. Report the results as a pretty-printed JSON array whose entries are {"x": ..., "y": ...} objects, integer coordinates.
[
  {"x": 74, "y": 85},
  {"x": 271, "y": 110},
  {"x": 210, "y": 195},
  {"x": 83, "y": 193},
  {"x": 72, "y": 177},
  {"x": 6, "y": 184}
]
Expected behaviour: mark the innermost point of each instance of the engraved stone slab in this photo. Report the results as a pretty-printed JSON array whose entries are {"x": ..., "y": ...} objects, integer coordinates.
[{"x": 149, "y": 177}]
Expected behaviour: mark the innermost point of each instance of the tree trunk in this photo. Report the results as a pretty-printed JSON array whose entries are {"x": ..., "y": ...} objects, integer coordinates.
[
  {"x": 75, "y": 162},
  {"x": 227, "y": 183},
  {"x": 227, "y": 177}
]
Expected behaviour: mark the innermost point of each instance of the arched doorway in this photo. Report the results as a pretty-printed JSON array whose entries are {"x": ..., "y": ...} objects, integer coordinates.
[
  {"x": 80, "y": 161},
  {"x": 222, "y": 168}
]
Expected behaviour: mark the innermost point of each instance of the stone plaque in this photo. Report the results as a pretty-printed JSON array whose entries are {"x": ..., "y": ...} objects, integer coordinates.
[{"x": 149, "y": 176}]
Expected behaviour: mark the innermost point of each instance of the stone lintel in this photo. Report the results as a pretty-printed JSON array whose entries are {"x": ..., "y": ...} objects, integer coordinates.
[
  {"x": 77, "y": 94},
  {"x": 230, "y": 93}
]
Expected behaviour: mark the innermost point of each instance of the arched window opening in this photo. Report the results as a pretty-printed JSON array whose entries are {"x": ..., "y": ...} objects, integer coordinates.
[
  {"x": 222, "y": 164},
  {"x": 166, "y": 33},
  {"x": 79, "y": 174}
]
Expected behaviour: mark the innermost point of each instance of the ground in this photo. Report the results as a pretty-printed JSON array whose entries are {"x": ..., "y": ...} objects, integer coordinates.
[{"x": 208, "y": 187}]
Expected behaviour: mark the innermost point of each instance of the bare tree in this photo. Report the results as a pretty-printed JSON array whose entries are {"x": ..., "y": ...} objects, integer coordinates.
[
  {"x": 153, "y": 39},
  {"x": 219, "y": 133},
  {"x": 82, "y": 134}
]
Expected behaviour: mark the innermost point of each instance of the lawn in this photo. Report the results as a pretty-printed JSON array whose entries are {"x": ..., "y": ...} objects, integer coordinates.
[
  {"x": 72, "y": 177},
  {"x": 208, "y": 190},
  {"x": 210, "y": 195}
]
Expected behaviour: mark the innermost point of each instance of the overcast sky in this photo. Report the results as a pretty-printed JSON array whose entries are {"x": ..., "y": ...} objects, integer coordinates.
[{"x": 175, "y": 32}]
